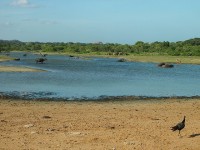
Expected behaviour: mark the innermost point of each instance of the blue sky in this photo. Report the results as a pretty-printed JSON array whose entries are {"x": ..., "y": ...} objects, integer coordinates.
[{"x": 108, "y": 21}]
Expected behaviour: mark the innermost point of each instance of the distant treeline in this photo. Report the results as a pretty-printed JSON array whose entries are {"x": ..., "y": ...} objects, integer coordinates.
[{"x": 189, "y": 47}]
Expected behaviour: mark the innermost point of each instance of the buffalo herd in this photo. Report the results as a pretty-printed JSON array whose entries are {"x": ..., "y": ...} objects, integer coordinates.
[{"x": 41, "y": 60}]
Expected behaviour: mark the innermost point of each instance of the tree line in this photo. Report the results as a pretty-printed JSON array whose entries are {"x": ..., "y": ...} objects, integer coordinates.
[{"x": 189, "y": 47}]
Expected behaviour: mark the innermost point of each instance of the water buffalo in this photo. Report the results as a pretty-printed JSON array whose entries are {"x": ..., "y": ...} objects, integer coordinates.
[
  {"x": 122, "y": 60},
  {"x": 165, "y": 65},
  {"x": 40, "y": 60},
  {"x": 17, "y": 59},
  {"x": 161, "y": 64},
  {"x": 168, "y": 66}
]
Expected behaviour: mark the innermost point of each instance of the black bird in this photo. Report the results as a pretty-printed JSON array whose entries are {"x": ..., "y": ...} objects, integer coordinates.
[{"x": 179, "y": 126}]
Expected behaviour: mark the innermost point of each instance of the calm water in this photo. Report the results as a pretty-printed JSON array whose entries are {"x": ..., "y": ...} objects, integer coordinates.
[{"x": 72, "y": 78}]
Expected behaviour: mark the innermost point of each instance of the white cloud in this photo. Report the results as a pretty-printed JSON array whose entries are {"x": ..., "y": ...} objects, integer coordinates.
[{"x": 22, "y": 3}]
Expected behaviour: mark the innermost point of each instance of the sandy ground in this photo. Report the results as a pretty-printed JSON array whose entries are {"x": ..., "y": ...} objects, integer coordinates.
[
  {"x": 18, "y": 69},
  {"x": 120, "y": 125}
]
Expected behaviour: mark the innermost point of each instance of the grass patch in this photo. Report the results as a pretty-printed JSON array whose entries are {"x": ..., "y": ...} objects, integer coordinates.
[{"x": 170, "y": 59}]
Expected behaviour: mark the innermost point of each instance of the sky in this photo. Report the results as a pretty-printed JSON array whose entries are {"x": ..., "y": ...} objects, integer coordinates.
[{"x": 107, "y": 21}]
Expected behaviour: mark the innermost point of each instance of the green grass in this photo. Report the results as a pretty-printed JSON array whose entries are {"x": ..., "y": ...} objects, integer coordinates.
[{"x": 170, "y": 59}]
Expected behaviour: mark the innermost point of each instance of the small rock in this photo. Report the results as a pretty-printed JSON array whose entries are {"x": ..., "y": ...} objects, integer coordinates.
[
  {"x": 74, "y": 133},
  {"x": 50, "y": 129},
  {"x": 3, "y": 121},
  {"x": 65, "y": 126},
  {"x": 111, "y": 127},
  {"x": 33, "y": 132},
  {"x": 132, "y": 143},
  {"x": 46, "y": 117},
  {"x": 28, "y": 125}
]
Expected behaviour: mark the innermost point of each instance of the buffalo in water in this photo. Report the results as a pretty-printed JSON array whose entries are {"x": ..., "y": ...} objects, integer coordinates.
[
  {"x": 17, "y": 59},
  {"x": 165, "y": 65},
  {"x": 122, "y": 60},
  {"x": 40, "y": 60}
]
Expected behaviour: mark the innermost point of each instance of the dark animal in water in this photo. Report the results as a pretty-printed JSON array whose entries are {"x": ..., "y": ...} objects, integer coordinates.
[
  {"x": 40, "y": 60},
  {"x": 165, "y": 65},
  {"x": 168, "y": 66},
  {"x": 179, "y": 126},
  {"x": 17, "y": 59},
  {"x": 122, "y": 60},
  {"x": 161, "y": 64}
]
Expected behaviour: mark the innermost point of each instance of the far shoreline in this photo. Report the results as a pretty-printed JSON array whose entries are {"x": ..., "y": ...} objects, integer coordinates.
[
  {"x": 193, "y": 60},
  {"x": 148, "y": 58}
]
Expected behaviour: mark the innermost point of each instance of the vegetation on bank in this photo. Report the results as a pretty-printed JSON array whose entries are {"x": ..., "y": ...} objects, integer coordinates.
[
  {"x": 140, "y": 51},
  {"x": 182, "y": 48}
]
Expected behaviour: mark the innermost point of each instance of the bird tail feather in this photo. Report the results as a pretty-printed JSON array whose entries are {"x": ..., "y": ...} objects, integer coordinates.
[{"x": 174, "y": 128}]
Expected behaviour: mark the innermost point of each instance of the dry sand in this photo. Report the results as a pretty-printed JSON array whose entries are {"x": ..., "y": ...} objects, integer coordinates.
[
  {"x": 120, "y": 125},
  {"x": 18, "y": 69}
]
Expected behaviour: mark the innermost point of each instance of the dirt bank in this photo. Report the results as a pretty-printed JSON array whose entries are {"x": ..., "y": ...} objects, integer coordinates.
[{"x": 121, "y": 125}]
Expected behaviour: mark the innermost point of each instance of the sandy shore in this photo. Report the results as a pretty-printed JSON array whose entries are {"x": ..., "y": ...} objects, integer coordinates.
[
  {"x": 120, "y": 125},
  {"x": 18, "y": 69},
  {"x": 15, "y": 68}
]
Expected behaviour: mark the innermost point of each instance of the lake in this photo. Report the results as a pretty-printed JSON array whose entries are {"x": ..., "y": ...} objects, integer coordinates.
[{"x": 92, "y": 78}]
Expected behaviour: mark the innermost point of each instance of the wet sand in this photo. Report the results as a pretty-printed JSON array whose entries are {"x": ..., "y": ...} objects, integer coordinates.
[{"x": 111, "y": 125}]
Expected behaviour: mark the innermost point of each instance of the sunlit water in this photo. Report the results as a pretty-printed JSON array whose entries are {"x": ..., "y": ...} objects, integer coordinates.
[{"x": 72, "y": 78}]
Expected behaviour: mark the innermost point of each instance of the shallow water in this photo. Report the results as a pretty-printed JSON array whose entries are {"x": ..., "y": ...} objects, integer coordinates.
[{"x": 72, "y": 78}]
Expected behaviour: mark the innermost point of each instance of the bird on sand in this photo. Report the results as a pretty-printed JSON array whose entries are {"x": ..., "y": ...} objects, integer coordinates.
[{"x": 179, "y": 126}]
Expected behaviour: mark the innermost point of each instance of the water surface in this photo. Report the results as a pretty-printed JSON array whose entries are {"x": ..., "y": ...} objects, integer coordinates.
[{"x": 72, "y": 78}]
